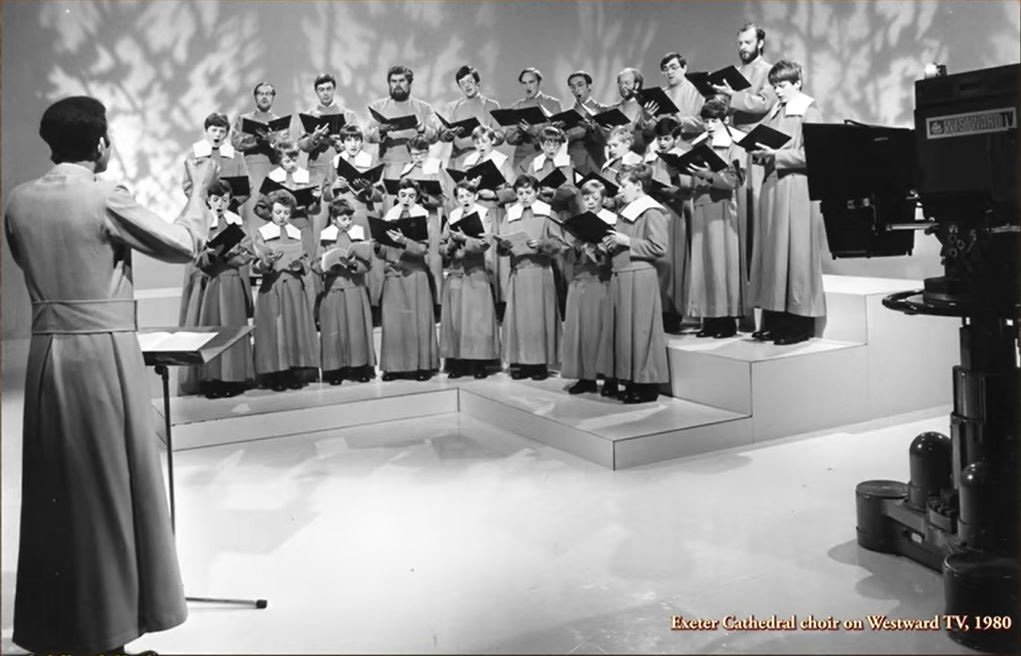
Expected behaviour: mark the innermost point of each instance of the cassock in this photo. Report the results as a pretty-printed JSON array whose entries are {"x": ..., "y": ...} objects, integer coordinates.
[
  {"x": 393, "y": 149},
  {"x": 587, "y": 297},
  {"x": 463, "y": 108},
  {"x": 260, "y": 156},
  {"x": 429, "y": 169},
  {"x": 345, "y": 316},
  {"x": 498, "y": 266},
  {"x": 674, "y": 268},
  {"x": 642, "y": 130},
  {"x": 587, "y": 146},
  {"x": 231, "y": 162},
  {"x": 689, "y": 101},
  {"x": 363, "y": 162},
  {"x": 526, "y": 144},
  {"x": 306, "y": 219},
  {"x": 322, "y": 152}
]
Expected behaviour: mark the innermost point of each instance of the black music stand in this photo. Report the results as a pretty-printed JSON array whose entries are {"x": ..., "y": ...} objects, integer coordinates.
[{"x": 223, "y": 338}]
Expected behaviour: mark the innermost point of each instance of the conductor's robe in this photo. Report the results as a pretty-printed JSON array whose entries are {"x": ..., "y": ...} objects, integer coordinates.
[
  {"x": 217, "y": 291},
  {"x": 497, "y": 266},
  {"x": 463, "y": 108},
  {"x": 362, "y": 162},
  {"x": 587, "y": 296},
  {"x": 526, "y": 144},
  {"x": 633, "y": 347},
  {"x": 393, "y": 148},
  {"x": 321, "y": 151},
  {"x": 531, "y": 324},
  {"x": 790, "y": 237},
  {"x": 409, "y": 325},
  {"x": 97, "y": 566},
  {"x": 468, "y": 328},
  {"x": 345, "y": 317},
  {"x": 586, "y": 145}
]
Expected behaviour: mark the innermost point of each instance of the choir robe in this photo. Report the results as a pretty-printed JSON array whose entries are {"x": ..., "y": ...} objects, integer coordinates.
[
  {"x": 526, "y": 144},
  {"x": 217, "y": 292},
  {"x": 260, "y": 157},
  {"x": 468, "y": 328},
  {"x": 689, "y": 101},
  {"x": 497, "y": 266},
  {"x": 463, "y": 108},
  {"x": 716, "y": 281},
  {"x": 428, "y": 169},
  {"x": 393, "y": 150},
  {"x": 587, "y": 146},
  {"x": 611, "y": 169},
  {"x": 790, "y": 238},
  {"x": 307, "y": 219},
  {"x": 345, "y": 317},
  {"x": 409, "y": 325},
  {"x": 97, "y": 565},
  {"x": 642, "y": 129},
  {"x": 633, "y": 347},
  {"x": 363, "y": 161},
  {"x": 322, "y": 152},
  {"x": 285, "y": 331},
  {"x": 531, "y": 324},
  {"x": 587, "y": 297},
  {"x": 674, "y": 269},
  {"x": 563, "y": 199}
]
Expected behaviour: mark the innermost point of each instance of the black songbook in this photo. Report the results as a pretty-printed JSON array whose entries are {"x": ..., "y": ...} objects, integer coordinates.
[
  {"x": 416, "y": 229},
  {"x": 660, "y": 189},
  {"x": 534, "y": 115},
  {"x": 704, "y": 81},
  {"x": 468, "y": 124},
  {"x": 470, "y": 225},
  {"x": 611, "y": 118},
  {"x": 612, "y": 189},
  {"x": 239, "y": 185},
  {"x": 430, "y": 187},
  {"x": 701, "y": 155},
  {"x": 658, "y": 96},
  {"x": 487, "y": 170},
  {"x": 251, "y": 126},
  {"x": 312, "y": 123},
  {"x": 554, "y": 179},
  {"x": 588, "y": 227},
  {"x": 304, "y": 197},
  {"x": 227, "y": 238},
  {"x": 570, "y": 118},
  {"x": 397, "y": 122},
  {"x": 765, "y": 135},
  {"x": 347, "y": 170}
]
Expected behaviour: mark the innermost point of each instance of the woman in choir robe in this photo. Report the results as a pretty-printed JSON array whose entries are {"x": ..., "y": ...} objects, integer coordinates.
[
  {"x": 531, "y": 325},
  {"x": 286, "y": 347},
  {"x": 345, "y": 316},
  {"x": 469, "y": 335},
  {"x": 790, "y": 240},
  {"x": 408, "y": 347},
  {"x": 714, "y": 285},
  {"x": 586, "y": 298},
  {"x": 633, "y": 348},
  {"x": 217, "y": 292}
]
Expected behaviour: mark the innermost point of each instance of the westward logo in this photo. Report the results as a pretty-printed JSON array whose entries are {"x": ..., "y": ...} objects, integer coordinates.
[{"x": 961, "y": 125}]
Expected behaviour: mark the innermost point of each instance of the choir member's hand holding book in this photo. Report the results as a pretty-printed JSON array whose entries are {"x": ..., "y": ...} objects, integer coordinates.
[
  {"x": 332, "y": 123},
  {"x": 461, "y": 128},
  {"x": 518, "y": 242},
  {"x": 725, "y": 79},
  {"x": 470, "y": 226},
  {"x": 763, "y": 142},
  {"x": 426, "y": 187},
  {"x": 535, "y": 115},
  {"x": 286, "y": 257},
  {"x": 350, "y": 174},
  {"x": 655, "y": 101},
  {"x": 335, "y": 259},
  {"x": 304, "y": 197},
  {"x": 702, "y": 156},
  {"x": 568, "y": 119},
  {"x": 395, "y": 123},
  {"x": 226, "y": 239},
  {"x": 611, "y": 118},
  {"x": 262, "y": 130},
  {"x": 488, "y": 173},
  {"x": 384, "y": 232},
  {"x": 588, "y": 227}
]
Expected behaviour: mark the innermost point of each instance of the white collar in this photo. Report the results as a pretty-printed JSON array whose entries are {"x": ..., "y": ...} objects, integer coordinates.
[
  {"x": 630, "y": 158},
  {"x": 496, "y": 156},
  {"x": 272, "y": 231},
  {"x": 300, "y": 175},
  {"x": 458, "y": 212},
  {"x": 204, "y": 149},
  {"x": 356, "y": 233},
  {"x": 362, "y": 160},
  {"x": 561, "y": 158},
  {"x": 230, "y": 218},
  {"x": 608, "y": 217},
  {"x": 797, "y": 105},
  {"x": 635, "y": 208},
  {"x": 538, "y": 208},
  {"x": 329, "y": 233},
  {"x": 415, "y": 212}
]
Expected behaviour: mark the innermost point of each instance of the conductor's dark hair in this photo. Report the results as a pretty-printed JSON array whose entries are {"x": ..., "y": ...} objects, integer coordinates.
[
  {"x": 640, "y": 173},
  {"x": 323, "y": 78},
  {"x": 282, "y": 197},
  {"x": 398, "y": 69},
  {"x": 670, "y": 56},
  {"x": 582, "y": 74},
  {"x": 218, "y": 120},
  {"x": 715, "y": 107},
  {"x": 531, "y": 69},
  {"x": 264, "y": 84},
  {"x": 349, "y": 131},
  {"x": 418, "y": 143},
  {"x": 785, "y": 70},
  {"x": 666, "y": 126},
  {"x": 639, "y": 78},
  {"x": 408, "y": 183},
  {"x": 72, "y": 128},
  {"x": 341, "y": 207},
  {"x": 760, "y": 34},
  {"x": 218, "y": 188},
  {"x": 465, "y": 71},
  {"x": 526, "y": 181}
]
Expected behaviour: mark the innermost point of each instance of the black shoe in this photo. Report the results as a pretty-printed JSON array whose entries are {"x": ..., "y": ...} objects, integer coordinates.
[
  {"x": 796, "y": 338},
  {"x": 727, "y": 327},
  {"x": 334, "y": 380},
  {"x": 641, "y": 394},
  {"x": 423, "y": 374},
  {"x": 388, "y": 376},
  {"x": 454, "y": 370},
  {"x": 708, "y": 330},
  {"x": 518, "y": 373},
  {"x": 765, "y": 335},
  {"x": 481, "y": 371},
  {"x": 232, "y": 389},
  {"x": 610, "y": 388},
  {"x": 582, "y": 386},
  {"x": 539, "y": 372}
]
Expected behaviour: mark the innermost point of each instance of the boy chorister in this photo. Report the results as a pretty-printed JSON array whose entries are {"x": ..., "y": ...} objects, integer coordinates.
[
  {"x": 345, "y": 317},
  {"x": 619, "y": 153},
  {"x": 409, "y": 345},
  {"x": 217, "y": 292},
  {"x": 586, "y": 298},
  {"x": 469, "y": 335},
  {"x": 530, "y": 236},
  {"x": 286, "y": 347},
  {"x": 633, "y": 349},
  {"x": 216, "y": 146},
  {"x": 421, "y": 167}
]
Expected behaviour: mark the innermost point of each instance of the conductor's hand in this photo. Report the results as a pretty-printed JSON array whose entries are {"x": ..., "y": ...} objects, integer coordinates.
[{"x": 202, "y": 174}]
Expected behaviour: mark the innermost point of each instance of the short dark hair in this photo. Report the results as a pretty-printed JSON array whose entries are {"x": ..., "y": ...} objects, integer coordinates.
[
  {"x": 533, "y": 70},
  {"x": 255, "y": 91},
  {"x": 526, "y": 181},
  {"x": 323, "y": 78},
  {"x": 408, "y": 183},
  {"x": 218, "y": 188},
  {"x": 785, "y": 70},
  {"x": 552, "y": 133},
  {"x": 398, "y": 69},
  {"x": 640, "y": 173},
  {"x": 216, "y": 119},
  {"x": 350, "y": 131},
  {"x": 715, "y": 107},
  {"x": 760, "y": 34},
  {"x": 582, "y": 74},
  {"x": 72, "y": 128},
  {"x": 483, "y": 129},
  {"x": 288, "y": 147},
  {"x": 666, "y": 126},
  {"x": 465, "y": 71},
  {"x": 418, "y": 142},
  {"x": 671, "y": 56},
  {"x": 341, "y": 207},
  {"x": 467, "y": 185},
  {"x": 282, "y": 197}
]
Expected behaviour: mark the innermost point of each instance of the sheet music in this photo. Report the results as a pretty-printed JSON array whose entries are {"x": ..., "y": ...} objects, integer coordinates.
[{"x": 175, "y": 341}]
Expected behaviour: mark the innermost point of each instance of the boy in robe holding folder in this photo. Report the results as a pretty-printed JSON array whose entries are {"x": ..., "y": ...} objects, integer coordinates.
[
  {"x": 633, "y": 349},
  {"x": 531, "y": 237},
  {"x": 217, "y": 292},
  {"x": 286, "y": 347},
  {"x": 409, "y": 345},
  {"x": 320, "y": 145},
  {"x": 469, "y": 335},
  {"x": 345, "y": 316},
  {"x": 586, "y": 297},
  {"x": 214, "y": 145},
  {"x": 420, "y": 168}
]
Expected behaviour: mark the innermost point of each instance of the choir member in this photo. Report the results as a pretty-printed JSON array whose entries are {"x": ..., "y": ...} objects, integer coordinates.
[
  {"x": 790, "y": 238},
  {"x": 552, "y": 157},
  {"x": 683, "y": 93},
  {"x": 715, "y": 286},
  {"x": 320, "y": 145},
  {"x": 214, "y": 145},
  {"x": 585, "y": 142},
  {"x": 531, "y": 326},
  {"x": 345, "y": 316},
  {"x": 586, "y": 298},
  {"x": 259, "y": 149},
  {"x": 217, "y": 292},
  {"x": 633, "y": 349},
  {"x": 524, "y": 137},
  {"x": 629, "y": 82},
  {"x": 619, "y": 152},
  {"x": 420, "y": 168},
  {"x": 393, "y": 142},
  {"x": 469, "y": 335},
  {"x": 472, "y": 105},
  {"x": 409, "y": 330},
  {"x": 286, "y": 347}
]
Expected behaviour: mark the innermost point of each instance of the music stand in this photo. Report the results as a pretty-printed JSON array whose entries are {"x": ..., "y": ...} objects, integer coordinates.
[{"x": 223, "y": 338}]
